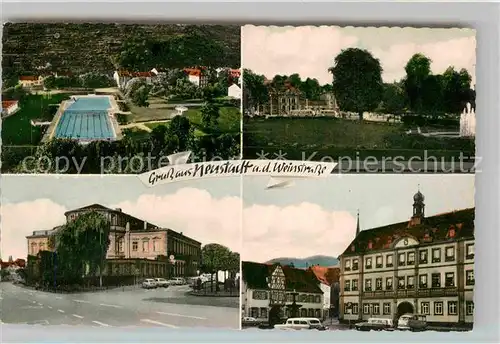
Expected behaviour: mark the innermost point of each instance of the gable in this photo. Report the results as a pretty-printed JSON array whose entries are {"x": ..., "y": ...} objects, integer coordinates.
[{"x": 405, "y": 242}]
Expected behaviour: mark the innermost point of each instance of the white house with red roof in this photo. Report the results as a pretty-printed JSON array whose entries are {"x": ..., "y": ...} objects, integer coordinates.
[
  {"x": 234, "y": 91},
  {"x": 30, "y": 80},
  {"x": 121, "y": 77},
  {"x": 197, "y": 76},
  {"x": 9, "y": 107}
]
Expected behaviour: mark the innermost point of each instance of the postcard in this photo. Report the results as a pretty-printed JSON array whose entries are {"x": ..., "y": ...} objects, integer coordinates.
[
  {"x": 118, "y": 98},
  {"x": 387, "y": 98},
  {"x": 120, "y": 256},
  {"x": 338, "y": 254}
]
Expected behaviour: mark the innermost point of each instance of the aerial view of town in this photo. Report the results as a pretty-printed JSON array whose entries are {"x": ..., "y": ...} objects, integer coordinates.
[
  {"x": 380, "y": 93},
  {"x": 357, "y": 261},
  {"x": 110, "y": 259},
  {"x": 113, "y": 98}
]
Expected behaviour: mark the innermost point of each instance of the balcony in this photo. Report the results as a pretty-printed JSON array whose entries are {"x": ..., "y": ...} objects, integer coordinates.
[{"x": 433, "y": 292}]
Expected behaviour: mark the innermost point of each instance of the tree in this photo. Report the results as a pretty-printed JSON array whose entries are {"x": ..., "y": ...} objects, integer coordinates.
[
  {"x": 214, "y": 259},
  {"x": 96, "y": 80},
  {"x": 209, "y": 114},
  {"x": 140, "y": 96},
  {"x": 456, "y": 89},
  {"x": 357, "y": 80},
  {"x": 82, "y": 244},
  {"x": 393, "y": 99},
  {"x": 180, "y": 128},
  {"x": 255, "y": 91},
  {"x": 418, "y": 70}
]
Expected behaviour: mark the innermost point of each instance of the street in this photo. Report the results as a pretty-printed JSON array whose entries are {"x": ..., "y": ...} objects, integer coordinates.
[{"x": 128, "y": 306}]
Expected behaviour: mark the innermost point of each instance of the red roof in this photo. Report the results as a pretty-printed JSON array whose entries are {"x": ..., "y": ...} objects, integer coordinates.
[
  {"x": 235, "y": 73},
  {"x": 193, "y": 71},
  {"x": 28, "y": 78},
  {"x": 8, "y": 103},
  {"x": 136, "y": 74},
  {"x": 326, "y": 275}
]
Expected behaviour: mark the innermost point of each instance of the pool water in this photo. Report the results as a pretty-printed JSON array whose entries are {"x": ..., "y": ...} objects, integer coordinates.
[{"x": 86, "y": 119}]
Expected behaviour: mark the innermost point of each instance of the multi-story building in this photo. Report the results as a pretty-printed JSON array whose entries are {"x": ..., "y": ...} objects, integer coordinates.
[
  {"x": 422, "y": 266},
  {"x": 329, "y": 283},
  {"x": 197, "y": 76},
  {"x": 257, "y": 294},
  {"x": 132, "y": 238}
]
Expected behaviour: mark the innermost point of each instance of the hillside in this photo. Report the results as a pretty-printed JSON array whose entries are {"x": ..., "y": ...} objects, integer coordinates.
[
  {"x": 304, "y": 263},
  {"x": 79, "y": 48}
]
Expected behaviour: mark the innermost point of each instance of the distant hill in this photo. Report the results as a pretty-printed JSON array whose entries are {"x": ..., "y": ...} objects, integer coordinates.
[{"x": 304, "y": 263}]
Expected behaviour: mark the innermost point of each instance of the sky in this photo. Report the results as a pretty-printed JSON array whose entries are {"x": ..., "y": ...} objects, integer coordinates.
[
  {"x": 311, "y": 217},
  {"x": 310, "y": 50},
  {"x": 318, "y": 217},
  {"x": 206, "y": 210}
]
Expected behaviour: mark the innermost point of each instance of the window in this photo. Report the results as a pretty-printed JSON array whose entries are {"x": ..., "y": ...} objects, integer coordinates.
[
  {"x": 317, "y": 299},
  {"x": 401, "y": 259},
  {"x": 452, "y": 307},
  {"x": 347, "y": 286},
  {"x": 355, "y": 308},
  {"x": 449, "y": 254},
  {"x": 436, "y": 280},
  {"x": 438, "y": 308},
  {"x": 410, "y": 282},
  {"x": 423, "y": 257},
  {"x": 388, "y": 260},
  {"x": 387, "y": 308},
  {"x": 254, "y": 312},
  {"x": 469, "y": 277},
  {"x": 368, "y": 263},
  {"x": 120, "y": 245},
  {"x": 378, "y": 262},
  {"x": 388, "y": 283},
  {"x": 135, "y": 246},
  {"x": 401, "y": 282},
  {"x": 263, "y": 312},
  {"x": 368, "y": 285},
  {"x": 145, "y": 246},
  {"x": 436, "y": 255},
  {"x": 449, "y": 279},
  {"x": 469, "y": 248},
  {"x": 33, "y": 248},
  {"x": 355, "y": 264},
  {"x": 376, "y": 309},
  {"x": 425, "y": 308},
  {"x": 259, "y": 295},
  {"x": 422, "y": 281},
  {"x": 378, "y": 284},
  {"x": 469, "y": 307},
  {"x": 346, "y": 308},
  {"x": 42, "y": 246},
  {"x": 366, "y": 308},
  {"x": 354, "y": 286},
  {"x": 411, "y": 258},
  {"x": 347, "y": 265},
  {"x": 155, "y": 246}
]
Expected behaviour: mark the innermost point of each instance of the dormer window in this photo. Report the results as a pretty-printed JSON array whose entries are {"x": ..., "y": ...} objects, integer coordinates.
[
  {"x": 352, "y": 248},
  {"x": 451, "y": 232},
  {"x": 370, "y": 245}
]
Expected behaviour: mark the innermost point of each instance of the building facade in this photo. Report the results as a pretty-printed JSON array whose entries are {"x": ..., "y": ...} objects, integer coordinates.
[
  {"x": 257, "y": 295},
  {"x": 424, "y": 266},
  {"x": 329, "y": 278},
  {"x": 197, "y": 76},
  {"x": 30, "y": 81},
  {"x": 121, "y": 77},
  {"x": 234, "y": 91},
  {"x": 132, "y": 238}
]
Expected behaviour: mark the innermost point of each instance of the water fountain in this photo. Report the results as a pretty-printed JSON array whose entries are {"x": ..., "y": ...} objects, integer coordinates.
[
  {"x": 180, "y": 110},
  {"x": 468, "y": 122}
]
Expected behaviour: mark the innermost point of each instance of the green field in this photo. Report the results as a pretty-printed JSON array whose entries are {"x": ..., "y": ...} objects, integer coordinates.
[
  {"x": 300, "y": 137},
  {"x": 17, "y": 129}
]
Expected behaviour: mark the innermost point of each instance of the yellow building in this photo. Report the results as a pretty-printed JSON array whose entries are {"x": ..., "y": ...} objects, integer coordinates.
[
  {"x": 421, "y": 266},
  {"x": 132, "y": 238}
]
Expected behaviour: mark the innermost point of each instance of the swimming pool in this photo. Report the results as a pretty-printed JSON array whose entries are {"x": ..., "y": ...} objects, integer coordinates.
[{"x": 86, "y": 119}]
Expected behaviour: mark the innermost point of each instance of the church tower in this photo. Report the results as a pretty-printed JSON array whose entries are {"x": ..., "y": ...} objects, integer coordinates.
[
  {"x": 418, "y": 209},
  {"x": 357, "y": 225}
]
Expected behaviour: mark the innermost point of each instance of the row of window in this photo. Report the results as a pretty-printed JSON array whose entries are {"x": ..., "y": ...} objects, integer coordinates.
[
  {"x": 145, "y": 246},
  {"x": 262, "y": 312},
  {"x": 425, "y": 308},
  {"x": 408, "y": 258},
  {"x": 408, "y": 282},
  {"x": 306, "y": 298},
  {"x": 35, "y": 248}
]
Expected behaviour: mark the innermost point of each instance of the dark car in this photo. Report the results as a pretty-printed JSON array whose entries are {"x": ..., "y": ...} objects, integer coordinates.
[{"x": 374, "y": 324}]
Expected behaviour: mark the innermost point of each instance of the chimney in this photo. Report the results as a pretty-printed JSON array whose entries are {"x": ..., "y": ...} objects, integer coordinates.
[
  {"x": 118, "y": 209},
  {"x": 127, "y": 226},
  {"x": 145, "y": 225}
]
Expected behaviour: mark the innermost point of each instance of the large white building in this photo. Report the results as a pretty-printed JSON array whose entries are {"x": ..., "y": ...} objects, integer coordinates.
[
  {"x": 421, "y": 266},
  {"x": 256, "y": 294}
]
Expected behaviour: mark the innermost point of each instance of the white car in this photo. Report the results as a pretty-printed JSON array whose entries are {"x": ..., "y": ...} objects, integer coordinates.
[
  {"x": 177, "y": 281},
  {"x": 161, "y": 282},
  {"x": 149, "y": 283},
  {"x": 301, "y": 324}
]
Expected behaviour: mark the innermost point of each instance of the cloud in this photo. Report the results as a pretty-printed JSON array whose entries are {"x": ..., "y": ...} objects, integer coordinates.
[
  {"x": 191, "y": 211},
  {"x": 300, "y": 230},
  {"x": 310, "y": 50},
  {"x": 21, "y": 219},
  {"x": 194, "y": 212}
]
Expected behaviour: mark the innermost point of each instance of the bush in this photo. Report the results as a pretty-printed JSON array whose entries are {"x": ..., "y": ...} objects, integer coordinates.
[{"x": 122, "y": 118}]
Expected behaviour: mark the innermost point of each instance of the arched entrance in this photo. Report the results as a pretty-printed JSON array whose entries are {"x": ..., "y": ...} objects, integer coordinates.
[{"x": 405, "y": 307}]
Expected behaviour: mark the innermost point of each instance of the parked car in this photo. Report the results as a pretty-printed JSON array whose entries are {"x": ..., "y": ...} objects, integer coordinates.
[
  {"x": 412, "y": 322},
  {"x": 177, "y": 281},
  {"x": 149, "y": 283},
  {"x": 375, "y": 324},
  {"x": 301, "y": 324},
  {"x": 161, "y": 282},
  {"x": 249, "y": 321}
]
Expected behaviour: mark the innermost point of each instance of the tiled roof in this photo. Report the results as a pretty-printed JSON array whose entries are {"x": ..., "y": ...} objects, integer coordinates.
[
  {"x": 235, "y": 73},
  {"x": 28, "y": 78},
  {"x": 136, "y": 74},
  {"x": 8, "y": 103},
  {"x": 254, "y": 275},
  {"x": 193, "y": 71},
  {"x": 326, "y": 275},
  {"x": 432, "y": 229}
]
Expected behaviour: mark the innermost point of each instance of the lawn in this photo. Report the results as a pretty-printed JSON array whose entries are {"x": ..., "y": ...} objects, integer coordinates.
[
  {"x": 301, "y": 137},
  {"x": 229, "y": 119},
  {"x": 17, "y": 129}
]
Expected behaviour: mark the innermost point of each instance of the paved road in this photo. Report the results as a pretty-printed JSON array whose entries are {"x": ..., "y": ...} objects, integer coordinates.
[{"x": 129, "y": 306}]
